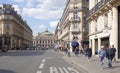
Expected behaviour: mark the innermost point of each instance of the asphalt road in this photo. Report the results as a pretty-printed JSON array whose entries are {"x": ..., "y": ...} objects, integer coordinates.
[{"x": 31, "y": 61}]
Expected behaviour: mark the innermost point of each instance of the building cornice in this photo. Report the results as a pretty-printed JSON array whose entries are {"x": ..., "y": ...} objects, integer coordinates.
[{"x": 100, "y": 8}]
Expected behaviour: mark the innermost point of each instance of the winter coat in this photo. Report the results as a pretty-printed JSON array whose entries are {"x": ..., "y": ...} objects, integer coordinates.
[
  {"x": 89, "y": 52},
  {"x": 110, "y": 53}
]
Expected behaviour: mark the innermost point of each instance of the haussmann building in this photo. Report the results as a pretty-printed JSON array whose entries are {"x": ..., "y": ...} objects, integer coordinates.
[
  {"x": 72, "y": 25},
  {"x": 14, "y": 31},
  {"x": 104, "y": 24}
]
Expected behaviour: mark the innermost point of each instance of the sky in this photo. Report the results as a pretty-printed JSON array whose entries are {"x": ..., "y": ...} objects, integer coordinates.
[{"x": 39, "y": 14}]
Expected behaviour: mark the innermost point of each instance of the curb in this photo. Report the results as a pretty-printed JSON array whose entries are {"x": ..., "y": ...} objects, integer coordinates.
[{"x": 75, "y": 63}]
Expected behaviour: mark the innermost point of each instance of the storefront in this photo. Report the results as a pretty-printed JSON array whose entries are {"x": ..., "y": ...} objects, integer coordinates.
[
  {"x": 96, "y": 46},
  {"x": 105, "y": 42}
]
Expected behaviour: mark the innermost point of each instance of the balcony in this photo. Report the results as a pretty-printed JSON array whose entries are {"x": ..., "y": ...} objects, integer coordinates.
[
  {"x": 75, "y": 30},
  {"x": 75, "y": 20},
  {"x": 77, "y": 1},
  {"x": 72, "y": 9},
  {"x": 99, "y": 5}
]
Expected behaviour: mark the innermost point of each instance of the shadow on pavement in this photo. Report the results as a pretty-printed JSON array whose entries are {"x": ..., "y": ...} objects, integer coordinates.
[
  {"x": 23, "y": 53},
  {"x": 6, "y": 71}
]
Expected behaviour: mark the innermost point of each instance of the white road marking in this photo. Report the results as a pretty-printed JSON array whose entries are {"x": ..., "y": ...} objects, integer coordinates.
[
  {"x": 66, "y": 71},
  {"x": 53, "y": 70},
  {"x": 43, "y": 60},
  {"x": 41, "y": 65},
  {"x": 61, "y": 70},
  {"x": 39, "y": 72},
  {"x": 72, "y": 69}
]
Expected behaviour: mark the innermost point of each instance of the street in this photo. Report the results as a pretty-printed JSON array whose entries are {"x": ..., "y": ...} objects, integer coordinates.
[{"x": 35, "y": 61}]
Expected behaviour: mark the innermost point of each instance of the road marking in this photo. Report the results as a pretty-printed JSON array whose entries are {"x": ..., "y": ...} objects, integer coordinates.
[
  {"x": 61, "y": 70},
  {"x": 39, "y": 72},
  {"x": 43, "y": 60},
  {"x": 53, "y": 70},
  {"x": 66, "y": 71},
  {"x": 72, "y": 69},
  {"x": 41, "y": 65}
]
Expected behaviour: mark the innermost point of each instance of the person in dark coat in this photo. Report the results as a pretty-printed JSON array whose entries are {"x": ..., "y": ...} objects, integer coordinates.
[
  {"x": 110, "y": 54},
  {"x": 76, "y": 51},
  {"x": 114, "y": 51},
  {"x": 89, "y": 53}
]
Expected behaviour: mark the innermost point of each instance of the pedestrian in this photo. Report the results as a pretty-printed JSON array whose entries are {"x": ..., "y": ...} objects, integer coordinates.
[
  {"x": 114, "y": 53},
  {"x": 110, "y": 54},
  {"x": 89, "y": 53},
  {"x": 85, "y": 51},
  {"x": 76, "y": 51},
  {"x": 102, "y": 55}
]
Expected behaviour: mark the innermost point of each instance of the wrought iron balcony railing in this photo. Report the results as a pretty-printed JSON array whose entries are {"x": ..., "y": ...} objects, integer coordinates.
[
  {"x": 97, "y": 6},
  {"x": 75, "y": 19},
  {"x": 72, "y": 9}
]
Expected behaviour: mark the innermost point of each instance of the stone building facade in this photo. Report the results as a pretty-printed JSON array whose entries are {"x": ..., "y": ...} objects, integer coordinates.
[
  {"x": 44, "y": 40},
  {"x": 104, "y": 24},
  {"x": 72, "y": 26},
  {"x": 14, "y": 31}
]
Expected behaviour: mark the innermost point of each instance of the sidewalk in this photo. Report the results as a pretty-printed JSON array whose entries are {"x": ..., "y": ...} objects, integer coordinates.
[{"x": 92, "y": 66}]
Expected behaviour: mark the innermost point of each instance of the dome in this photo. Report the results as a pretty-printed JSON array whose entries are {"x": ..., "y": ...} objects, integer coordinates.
[{"x": 46, "y": 33}]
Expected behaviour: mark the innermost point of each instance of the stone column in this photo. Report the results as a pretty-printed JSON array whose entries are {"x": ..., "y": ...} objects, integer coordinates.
[
  {"x": 115, "y": 29},
  {"x": 99, "y": 43},
  {"x": 93, "y": 46}
]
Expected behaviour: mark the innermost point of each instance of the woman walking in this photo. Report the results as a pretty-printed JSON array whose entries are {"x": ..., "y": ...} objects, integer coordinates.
[{"x": 102, "y": 55}]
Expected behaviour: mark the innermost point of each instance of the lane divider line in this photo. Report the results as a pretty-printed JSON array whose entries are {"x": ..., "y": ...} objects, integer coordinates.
[
  {"x": 39, "y": 72},
  {"x": 41, "y": 65},
  {"x": 43, "y": 60}
]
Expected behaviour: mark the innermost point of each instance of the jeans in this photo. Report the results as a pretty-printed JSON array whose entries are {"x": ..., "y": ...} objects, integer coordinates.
[
  {"x": 110, "y": 63},
  {"x": 101, "y": 62}
]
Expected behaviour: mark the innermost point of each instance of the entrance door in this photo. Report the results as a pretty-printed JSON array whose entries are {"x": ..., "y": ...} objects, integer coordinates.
[
  {"x": 119, "y": 32},
  {"x": 105, "y": 42},
  {"x": 96, "y": 46}
]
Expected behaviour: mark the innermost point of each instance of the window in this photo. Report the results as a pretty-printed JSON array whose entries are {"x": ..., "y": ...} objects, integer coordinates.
[
  {"x": 75, "y": 15},
  {"x": 75, "y": 26},
  {"x": 7, "y": 25},
  {"x": 106, "y": 20},
  {"x": 75, "y": 7}
]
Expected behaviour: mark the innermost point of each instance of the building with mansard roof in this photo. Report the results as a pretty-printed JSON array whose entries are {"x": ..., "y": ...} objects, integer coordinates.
[
  {"x": 73, "y": 26},
  {"x": 104, "y": 24},
  {"x": 14, "y": 31}
]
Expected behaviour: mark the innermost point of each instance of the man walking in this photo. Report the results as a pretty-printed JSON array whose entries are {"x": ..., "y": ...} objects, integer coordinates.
[{"x": 110, "y": 54}]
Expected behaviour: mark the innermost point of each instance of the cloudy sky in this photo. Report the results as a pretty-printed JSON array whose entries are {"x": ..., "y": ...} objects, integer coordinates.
[{"x": 40, "y": 14}]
